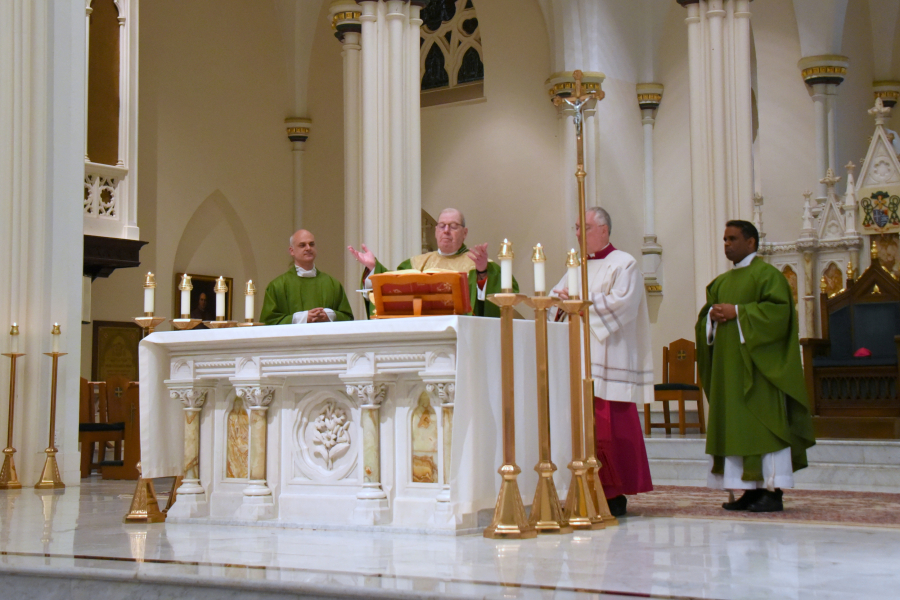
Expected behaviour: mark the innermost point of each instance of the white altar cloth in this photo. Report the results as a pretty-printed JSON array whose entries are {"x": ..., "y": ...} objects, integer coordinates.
[{"x": 323, "y": 355}]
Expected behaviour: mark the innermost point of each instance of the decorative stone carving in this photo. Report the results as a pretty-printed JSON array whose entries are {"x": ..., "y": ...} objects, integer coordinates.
[
  {"x": 370, "y": 395},
  {"x": 331, "y": 436},
  {"x": 443, "y": 392},
  {"x": 191, "y": 398},
  {"x": 325, "y": 438},
  {"x": 256, "y": 397}
]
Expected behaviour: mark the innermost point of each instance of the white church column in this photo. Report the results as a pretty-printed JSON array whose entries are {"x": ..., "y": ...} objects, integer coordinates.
[
  {"x": 298, "y": 130},
  {"x": 372, "y": 504},
  {"x": 42, "y": 125},
  {"x": 743, "y": 110},
  {"x": 649, "y": 97},
  {"x": 192, "y": 500},
  {"x": 345, "y": 20},
  {"x": 413, "y": 118},
  {"x": 823, "y": 74},
  {"x": 390, "y": 116}
]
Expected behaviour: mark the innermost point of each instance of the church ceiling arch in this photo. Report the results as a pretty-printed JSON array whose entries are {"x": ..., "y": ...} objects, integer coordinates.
[{"x": 215, "y": 209}]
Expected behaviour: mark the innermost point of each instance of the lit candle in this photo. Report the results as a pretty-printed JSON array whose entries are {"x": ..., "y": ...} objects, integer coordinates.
[
  {"x": 250, "y": 295},
  {"x": 538, "y": 258},
  {"x": 14, "y": 339},
  {"x": 55, "y": 333},
  {"x": 572, "y": 274},
  {"x": 220, "y": 289},
  {"x": 506, "y": 257},
  {"x": 185, "y": 286},
  {"x": 149, "y": 291}
]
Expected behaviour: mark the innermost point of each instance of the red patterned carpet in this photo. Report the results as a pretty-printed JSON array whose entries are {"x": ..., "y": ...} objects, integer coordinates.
[{"x": 871, "y": 509}]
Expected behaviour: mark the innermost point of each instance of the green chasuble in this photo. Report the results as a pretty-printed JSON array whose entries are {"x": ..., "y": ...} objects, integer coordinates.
[
  {"x": 456, "y": 262},
  {"x": 289, "y": 293},
  {"x": 757, "y": 397}
]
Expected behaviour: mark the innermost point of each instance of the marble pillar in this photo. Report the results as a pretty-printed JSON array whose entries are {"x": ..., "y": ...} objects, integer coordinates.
[
  {"x": 823, "y": 74},
  {"x": 298, "y": 130},
  {"x": 443, "y": 394},
  {"x": 258, "y": 503},
  {"x": 191, "y": 500},
  {"x": 372, "y": 502},
  {"x": 649, "y": 97}
]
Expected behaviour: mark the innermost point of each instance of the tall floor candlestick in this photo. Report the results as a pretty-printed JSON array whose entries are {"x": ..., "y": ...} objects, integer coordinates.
[
  {"x": 9, "y": 479},
  {"x": 509, "y": 520},
  {"x": 579, "y": 101},
  {"x": 546, "y": 512},
  {"x": 50, "y": 477}
]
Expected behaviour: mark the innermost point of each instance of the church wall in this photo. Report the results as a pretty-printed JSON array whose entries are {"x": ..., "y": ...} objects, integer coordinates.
[
  {"x": 673, "y": 314},
  {"x": 787, "y": 129},
  {"x": 214, "y": 94},
  {"x": 855, "y": 96},
  {"x": 323, "y": 182},
  {"x": 497, "y": 160}
]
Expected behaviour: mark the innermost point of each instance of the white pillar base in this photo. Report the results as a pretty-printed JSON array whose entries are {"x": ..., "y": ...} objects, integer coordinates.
[
  {"x": 189, "y": 506},
  {"x": 256, "y": 487},
  {"x": 256, "y": 508},
  {"x": 443, "y": 516},
  {"x": 371, "y": 511}
]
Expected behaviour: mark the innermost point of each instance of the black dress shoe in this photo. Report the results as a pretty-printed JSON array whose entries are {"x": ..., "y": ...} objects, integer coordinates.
[
  {"x": 768, "y": 502},
  {"x": 744, "y": 502},
  {"x": 617, "y": 505}
]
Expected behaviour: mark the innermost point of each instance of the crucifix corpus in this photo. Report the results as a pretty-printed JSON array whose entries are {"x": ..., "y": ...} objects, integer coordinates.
[{"x": 579, "y": 101}]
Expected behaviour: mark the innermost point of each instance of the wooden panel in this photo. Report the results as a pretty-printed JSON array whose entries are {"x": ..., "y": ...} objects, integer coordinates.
[{"x": 879, "y": 428}]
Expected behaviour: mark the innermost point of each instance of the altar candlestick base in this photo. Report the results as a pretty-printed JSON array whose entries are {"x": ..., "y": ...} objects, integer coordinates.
[
  {"x": 9, "y": 479},
  {"x": 546, "y": 512},
  {"x": 250, "y": 324},
  {"x": 220, "y": 324},
  {"x": 145, "y": 505},
  {"x": 148, "y": 323},
  {"x": 50, "y": 477},
  {"x": 184, "y": 324},
  {"x": 510, "y": 521}
]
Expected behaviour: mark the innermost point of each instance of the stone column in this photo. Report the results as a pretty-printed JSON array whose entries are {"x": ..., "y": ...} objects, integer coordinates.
[
  {"x": 443, "y": 393},
  {"x": 888, "y": 91},
  {"x": 258, "y": 503},
  {"x": 372, "y": 503},
  {"x": 298, "y": 130},
  {"x": 649, "y": 96},
  {"x": 345, "y": 20},
  {"x": 191, "y": 500},
  {"x": 823, "y": 74}
]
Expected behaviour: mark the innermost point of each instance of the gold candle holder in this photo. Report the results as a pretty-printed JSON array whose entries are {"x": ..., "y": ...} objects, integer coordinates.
[
  {"x": 9, "y": 479},
  {"x": 250, "y": 294},
  {"x": 144, "y": 504},
  {"x": 580, "y": 508},
  {"x": 546, "y": 512},
  {"x": 217, "y": 324},
  {"x": 148, "y": 323},
  {"x": 50, "y": 477},
  {"x": 509, "y": 520},
  {"x": 185, "y": 321}
]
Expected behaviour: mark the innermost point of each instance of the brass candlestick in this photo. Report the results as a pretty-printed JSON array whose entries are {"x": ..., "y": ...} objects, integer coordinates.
[
  {"x": 509, "y": 520},
  {"x": 579, "y": 101},
  {"x": 580, "y": 509},
  {"x": 148, "y": 323},
  {"x": 185, "y": 322},
  {"x": 546, "y": 512},
  {"x": 50, "y": 478},
  {"x": 144, "y": 504},
  {"x": 217, "y": 324},
  {"x": 9, "y": 479}
]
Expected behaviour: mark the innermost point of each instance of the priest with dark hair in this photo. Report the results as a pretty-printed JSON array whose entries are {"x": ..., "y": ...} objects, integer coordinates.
[{"x": 748, "y": 354}]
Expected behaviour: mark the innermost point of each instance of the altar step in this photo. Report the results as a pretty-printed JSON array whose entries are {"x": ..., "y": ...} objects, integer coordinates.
[{"x": 849, "y": 465}]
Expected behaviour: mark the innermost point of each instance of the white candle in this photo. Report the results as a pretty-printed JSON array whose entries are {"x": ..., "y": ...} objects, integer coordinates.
[
  {"x": 55, "y": 337},
  {"x": 250, "y": 295},
  {"x": 506, "y": 258},
  {"x": 572, "y": 274},
  {"x": 14, "y": 339},
  {"x": 220, "y": 297},
  {"x": 540, "y": 286},
  {"x": 185, "y": 303},
  {"x": 149, "y": 291}
]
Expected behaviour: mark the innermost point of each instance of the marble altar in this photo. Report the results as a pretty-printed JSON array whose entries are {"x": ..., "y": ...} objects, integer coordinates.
[{"x": 389, "y": 423}]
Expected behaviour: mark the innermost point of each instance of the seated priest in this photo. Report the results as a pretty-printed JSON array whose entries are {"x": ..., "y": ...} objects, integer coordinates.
[
  {"x": 453, "y": 255},
  {"x": 304, "y": 294}
]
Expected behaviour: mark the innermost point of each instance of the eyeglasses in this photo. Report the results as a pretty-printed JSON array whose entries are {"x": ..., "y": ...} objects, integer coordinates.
[{"x": 450, "y": 226}]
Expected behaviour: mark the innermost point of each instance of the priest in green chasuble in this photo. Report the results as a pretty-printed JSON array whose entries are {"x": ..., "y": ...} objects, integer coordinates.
[
  {"x": 304, "y": 294},
  {"x": 453, "y": 255},
  {"x": 748, "y": 354}
]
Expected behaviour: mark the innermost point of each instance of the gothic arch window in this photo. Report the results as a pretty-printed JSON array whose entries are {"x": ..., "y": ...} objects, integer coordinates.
[{"x": 452, "y": 62}]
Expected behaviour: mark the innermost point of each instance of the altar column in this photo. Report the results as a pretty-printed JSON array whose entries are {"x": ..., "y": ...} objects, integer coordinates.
[
  {"x": 192, "y": 500},
  {"x": 345, "y": 21},
  {"x": 298, "y": 130},
  {"x": 258, "y": 503},
  {"x": 372, "y": 504},
  {"x": 649, "y": 97},
  {"x": 824, "y": 74},
  {"x": 443, "y": 393}
]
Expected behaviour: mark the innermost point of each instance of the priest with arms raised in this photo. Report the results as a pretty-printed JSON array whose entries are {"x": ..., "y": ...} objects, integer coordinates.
[
  {"x": 452, "y": 255},
  {"x": 304, "y": 294},
  {"x": 748, "y": 354},
  {"x": 621, "y": 361}
]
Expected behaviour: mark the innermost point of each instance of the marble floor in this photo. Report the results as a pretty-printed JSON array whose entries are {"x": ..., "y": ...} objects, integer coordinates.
[{"x": 74, "y": 544}]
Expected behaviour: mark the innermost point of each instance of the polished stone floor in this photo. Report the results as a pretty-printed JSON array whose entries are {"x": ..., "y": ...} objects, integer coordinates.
[{"x": 79, "y": 534}]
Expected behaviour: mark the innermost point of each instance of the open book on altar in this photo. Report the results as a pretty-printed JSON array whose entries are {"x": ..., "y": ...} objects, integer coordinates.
[{"x": 412, "y": 293}]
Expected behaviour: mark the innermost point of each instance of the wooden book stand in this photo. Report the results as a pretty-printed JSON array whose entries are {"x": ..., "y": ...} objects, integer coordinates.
[{"x": 420, "y": 294}]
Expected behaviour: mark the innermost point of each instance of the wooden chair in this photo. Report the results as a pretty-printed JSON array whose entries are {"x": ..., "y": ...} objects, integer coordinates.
[
  {"x": 129, "y": 407},
  {"x": 680, "y": 383},
  {"x": 856, "y": 396},
  {"x": 94, "y": 426}
]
